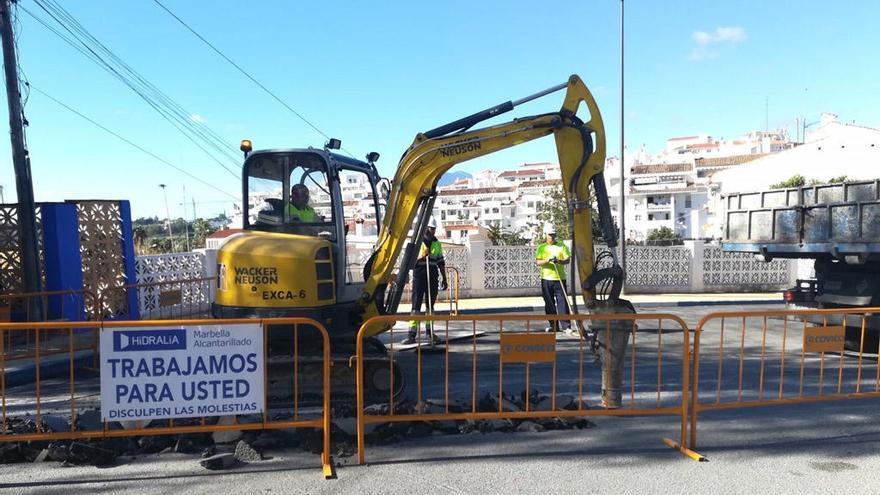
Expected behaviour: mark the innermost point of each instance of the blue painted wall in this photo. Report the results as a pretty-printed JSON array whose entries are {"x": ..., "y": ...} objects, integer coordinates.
[{"x": 63, "y": 263}]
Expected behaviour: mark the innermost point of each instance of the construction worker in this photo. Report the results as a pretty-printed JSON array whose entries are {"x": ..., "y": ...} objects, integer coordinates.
[
  {"x": 298, "y": 209},
  {"x": 429, "y": 270},
  {"x": 552, "y": 256}
]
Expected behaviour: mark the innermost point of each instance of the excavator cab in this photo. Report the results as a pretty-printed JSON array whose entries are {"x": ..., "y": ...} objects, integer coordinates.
[{"x": 308, "y": 230}]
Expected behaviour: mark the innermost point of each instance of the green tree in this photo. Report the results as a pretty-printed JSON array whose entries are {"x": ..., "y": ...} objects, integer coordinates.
[
  {"x": 139, "y": 238},
  {"x": 201, "y": 230},
  {"x": 793, "y": 181},
  {"x": 663, "y": 234},
  {"x": 834, "y": 180},
  {"x": 494, "y": 232},
  {"x": 509, "y": 238},
  {"x": 555, "y": 211},
  {"x": 160, "y": 245}
]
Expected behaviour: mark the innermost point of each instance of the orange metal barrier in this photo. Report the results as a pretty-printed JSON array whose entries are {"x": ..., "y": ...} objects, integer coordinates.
[
  {"x": 34, "y": 400},
  {"x": 761, "y": 358},
  {"x": 521, "y": 356},
  {"x": 54, "y": 306},
  {"x": 452, "y": 290},
  {"x": 159, "y": 300}
]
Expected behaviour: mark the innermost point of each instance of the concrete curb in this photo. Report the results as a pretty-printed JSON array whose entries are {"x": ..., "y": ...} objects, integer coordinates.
[
  {"x": 645, "y": 305},
  {"x": 52, "y": 367}
]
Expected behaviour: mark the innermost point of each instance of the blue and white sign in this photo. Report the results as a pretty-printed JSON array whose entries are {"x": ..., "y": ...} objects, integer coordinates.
[{"x": 179, "y": 372}]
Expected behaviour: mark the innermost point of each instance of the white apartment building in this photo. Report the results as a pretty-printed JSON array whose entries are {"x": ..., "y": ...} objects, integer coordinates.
[
  {"x": 508, "y": 199},
  {"x": 674, "y": 188}
]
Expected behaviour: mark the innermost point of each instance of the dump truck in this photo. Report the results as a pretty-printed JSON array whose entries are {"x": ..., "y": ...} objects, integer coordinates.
[{"x": 837, "y": 225}]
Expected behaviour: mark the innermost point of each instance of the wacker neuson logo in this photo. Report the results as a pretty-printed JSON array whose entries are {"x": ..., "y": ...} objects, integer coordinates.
[{"x": 150, "y": 340}]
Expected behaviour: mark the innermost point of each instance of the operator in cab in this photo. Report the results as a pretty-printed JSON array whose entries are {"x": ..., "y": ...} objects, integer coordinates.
[{"x": 298, "y": 209}]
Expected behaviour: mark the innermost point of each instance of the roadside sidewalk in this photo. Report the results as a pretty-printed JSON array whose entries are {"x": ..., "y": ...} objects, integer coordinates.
[{"x": 640, "y": 301}]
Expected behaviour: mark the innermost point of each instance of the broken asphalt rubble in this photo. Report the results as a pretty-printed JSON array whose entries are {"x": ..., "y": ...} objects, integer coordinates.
[{"x": 230, "y": 448}]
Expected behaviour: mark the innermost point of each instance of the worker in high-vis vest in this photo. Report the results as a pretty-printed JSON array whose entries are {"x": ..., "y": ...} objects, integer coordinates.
[
  {"x": 551, "y": 257},
  {"x": 429, "y": 275},
  {"x": 298, "y": 209}
]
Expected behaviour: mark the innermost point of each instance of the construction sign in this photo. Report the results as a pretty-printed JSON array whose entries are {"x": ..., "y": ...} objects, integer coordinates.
[
  {"x": 528, "y": 347},
  {"x": 181, "y": 371},
  {"x": 824, "y": 339}
]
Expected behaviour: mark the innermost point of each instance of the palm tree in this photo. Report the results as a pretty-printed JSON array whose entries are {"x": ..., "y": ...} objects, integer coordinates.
[
  {"x": 139, "y": 237},
  {"x": 495, "y": 234}
]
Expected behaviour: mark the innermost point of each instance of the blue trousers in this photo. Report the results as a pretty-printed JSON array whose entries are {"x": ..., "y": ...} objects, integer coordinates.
[{"x": 554, "y": 302}]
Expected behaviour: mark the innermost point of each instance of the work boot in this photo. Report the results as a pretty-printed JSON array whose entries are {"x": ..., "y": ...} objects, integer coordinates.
[
  {"x": 435, "y": 340},
  {"x": 410, "y": 339}
]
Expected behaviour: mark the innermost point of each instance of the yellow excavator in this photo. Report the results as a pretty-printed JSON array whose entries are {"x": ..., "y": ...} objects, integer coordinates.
[{"x": 299, "y": 252}]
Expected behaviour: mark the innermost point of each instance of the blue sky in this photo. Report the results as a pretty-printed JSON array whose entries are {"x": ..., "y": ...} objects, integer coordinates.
[{"x": 376, "y": 73}]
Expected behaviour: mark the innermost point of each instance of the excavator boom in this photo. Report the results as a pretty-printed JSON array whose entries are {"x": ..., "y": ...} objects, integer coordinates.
[{"x": 580, "y": 144}]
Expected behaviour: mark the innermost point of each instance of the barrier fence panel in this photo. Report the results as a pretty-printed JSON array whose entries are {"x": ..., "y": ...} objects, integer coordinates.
[
  {"x": 159, "y": 300},
  {"x": 508, "y": 367},
  {"x": 760, "y": 358},
  {"x": 59, "y": 305},
  {"x": 169, "y": 378}
]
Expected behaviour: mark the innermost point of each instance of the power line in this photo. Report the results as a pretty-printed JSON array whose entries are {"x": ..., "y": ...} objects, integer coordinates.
[
  {"x": 244, "y": 72},
  {"x": 175, "y": 116},
  {"x": 80, "y": 39},
  {"x": 127, "y": 141},
  {"x": 167, "y": 107}
]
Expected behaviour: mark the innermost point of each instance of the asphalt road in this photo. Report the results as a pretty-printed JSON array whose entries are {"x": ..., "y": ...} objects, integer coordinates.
[{"x": 817, "y": 448}]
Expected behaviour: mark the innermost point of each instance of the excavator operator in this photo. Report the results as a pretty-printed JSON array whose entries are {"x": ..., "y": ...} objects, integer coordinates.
[{"x": 298, "y": 209}]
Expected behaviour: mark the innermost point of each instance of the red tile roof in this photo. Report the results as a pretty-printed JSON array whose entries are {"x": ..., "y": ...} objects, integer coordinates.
[
  {"x": 727, "y": 161},
  {"x": 514, "y": 173},
  {"x": 661, "y": 168},
  {"x": 477, "y": 190},
  {"x": 540, "y": 183},
  {"x": 222, "y": 234}
]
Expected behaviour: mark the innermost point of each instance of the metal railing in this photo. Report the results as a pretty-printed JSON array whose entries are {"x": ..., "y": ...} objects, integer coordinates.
[
  {"x": 763, "y": 358},
  {"x": 520, "y": 355},
  {"x": 34, "y": 399},
  {"x": 57, "y": 305},
  {"x": 158, "y": 300}
]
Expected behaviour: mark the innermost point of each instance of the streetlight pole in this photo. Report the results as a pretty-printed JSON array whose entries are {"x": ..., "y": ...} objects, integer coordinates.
[
  {"x": 185, "y": 223},
  {"x": 622, "y": 201},
  {"x": 27, "y": 221},
  {"x": 167, "y": 217}
]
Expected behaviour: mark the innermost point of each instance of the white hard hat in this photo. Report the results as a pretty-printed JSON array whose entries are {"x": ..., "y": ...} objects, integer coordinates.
[
  {"x": 432, "y": 223},
  {"x": 549, "y": 228}
]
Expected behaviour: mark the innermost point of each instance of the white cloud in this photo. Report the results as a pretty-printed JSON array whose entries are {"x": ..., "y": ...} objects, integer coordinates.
[
  {"x": 197, "y": 118},
  {"x": 705, "y": 41}
]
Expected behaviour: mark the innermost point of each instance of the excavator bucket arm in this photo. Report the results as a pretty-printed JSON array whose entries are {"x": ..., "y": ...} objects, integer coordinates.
[{"x": 581, "y": 149}]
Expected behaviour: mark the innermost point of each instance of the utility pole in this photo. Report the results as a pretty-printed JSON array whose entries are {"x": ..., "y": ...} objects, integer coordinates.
[
  {"x": 27, "y": 221},
  {"x": 622, "y": 206},
  {"x": 167, "y": 217}
]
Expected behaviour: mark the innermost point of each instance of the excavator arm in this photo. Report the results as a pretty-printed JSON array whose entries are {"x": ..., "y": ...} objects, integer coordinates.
[{"x": 580, "y": 146}]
